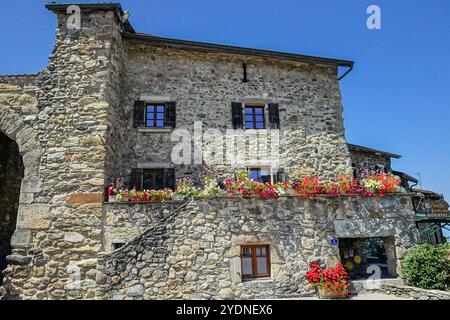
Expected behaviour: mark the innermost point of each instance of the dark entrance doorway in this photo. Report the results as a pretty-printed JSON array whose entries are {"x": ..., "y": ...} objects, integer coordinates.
[
  {"x": 11, "y": 174},
  {"x": 358, "y": 254}
]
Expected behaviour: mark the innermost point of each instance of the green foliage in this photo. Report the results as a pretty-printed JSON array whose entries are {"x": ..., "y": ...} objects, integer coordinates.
[{"x": 428, "y": 267}]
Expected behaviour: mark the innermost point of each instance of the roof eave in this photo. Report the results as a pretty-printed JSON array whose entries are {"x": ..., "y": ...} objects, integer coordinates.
[
  {"x": 375, "y": 151},
  {"x": 405, "y": 176},
  {"x": 210, "y": 47}
]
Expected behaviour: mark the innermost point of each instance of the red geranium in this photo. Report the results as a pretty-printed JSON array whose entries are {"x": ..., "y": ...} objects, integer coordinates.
[{"x": 333, "y": 282}]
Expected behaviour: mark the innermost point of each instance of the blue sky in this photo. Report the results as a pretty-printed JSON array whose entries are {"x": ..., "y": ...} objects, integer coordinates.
[{"x": 396, "y": 99}]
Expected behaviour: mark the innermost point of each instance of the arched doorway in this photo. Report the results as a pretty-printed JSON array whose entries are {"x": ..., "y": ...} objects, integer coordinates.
[{"x": 11, "y": 174}]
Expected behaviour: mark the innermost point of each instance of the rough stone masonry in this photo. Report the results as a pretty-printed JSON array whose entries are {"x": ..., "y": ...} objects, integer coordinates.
[{"x": 73, "y": 127}]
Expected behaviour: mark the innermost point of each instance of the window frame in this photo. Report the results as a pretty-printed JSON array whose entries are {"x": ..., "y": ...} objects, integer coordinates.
[
  {"x": 254, "y": 106},
  {"x": 268, "y": 168},
  {"x": 254, "y": 260},
  {"x": 155, "y": 113}
]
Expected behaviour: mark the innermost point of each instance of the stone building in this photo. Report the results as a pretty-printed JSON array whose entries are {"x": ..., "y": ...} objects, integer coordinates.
[{"x": 106, "y": 106}]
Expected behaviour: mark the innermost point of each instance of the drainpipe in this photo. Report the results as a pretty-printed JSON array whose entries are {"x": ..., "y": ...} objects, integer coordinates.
[{"x": 347, "y": 72}]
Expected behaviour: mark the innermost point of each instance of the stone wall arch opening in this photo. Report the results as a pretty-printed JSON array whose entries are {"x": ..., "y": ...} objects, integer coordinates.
[{"x": 11, "y": 175}]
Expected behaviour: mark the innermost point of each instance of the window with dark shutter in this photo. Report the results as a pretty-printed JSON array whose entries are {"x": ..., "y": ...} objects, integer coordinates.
[
  {"x": 154, "y": 115},
  {"x": 259, "y": 174},
  {"x": 170, "y": 115},
  {"x": 153, "y": 179},
  {"x": 169, "y": 175},
  {"x": 274, "y": 116},
  {"x": 139, "y": 114},
  {"x": 136, "y": 178},
  {"x": 280, "y": 176},
  {"x": 236, "y": 110}
]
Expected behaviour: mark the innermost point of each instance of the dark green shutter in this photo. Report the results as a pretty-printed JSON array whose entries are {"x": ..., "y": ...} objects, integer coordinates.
[
  {"x": 169, "y": 178},
  {"x": 136, "y": 180},
  {"x": 238, "y": 119},
  {"x": 274, "y": 116},
  {"x": 280, "y": 176},
  {"x": 139, "y": 114},
  {"x": 170, "y": 115}
]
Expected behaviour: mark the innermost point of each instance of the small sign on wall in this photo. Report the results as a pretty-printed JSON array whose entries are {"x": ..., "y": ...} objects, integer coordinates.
[{"x": 334, "y": 242}]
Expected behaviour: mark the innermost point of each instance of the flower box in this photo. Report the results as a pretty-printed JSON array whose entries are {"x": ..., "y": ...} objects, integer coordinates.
[
  {"x": 122, "y": 199},
  {"x": 112, "y": 198}
]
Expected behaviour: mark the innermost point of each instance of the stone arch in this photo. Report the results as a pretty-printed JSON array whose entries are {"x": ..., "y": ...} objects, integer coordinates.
[
  {"x": 11, "y": 175},
  {"x": 13, "y": 126},
  {"x": 23, "y": 156}
]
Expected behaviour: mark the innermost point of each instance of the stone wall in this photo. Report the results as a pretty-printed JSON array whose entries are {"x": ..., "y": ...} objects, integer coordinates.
[
  {"x": 204, "y": 85},
  {"x": 368, "y": 161},
  {"x": 124, "y": 221},
  {"x": 413, "y": 292},
  {"x": 63, "y": 130},
  {"x": 195, "y": 252}
]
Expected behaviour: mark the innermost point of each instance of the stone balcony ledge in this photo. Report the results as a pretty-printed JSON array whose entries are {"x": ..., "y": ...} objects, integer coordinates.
[{"x": 238, "y": 197}]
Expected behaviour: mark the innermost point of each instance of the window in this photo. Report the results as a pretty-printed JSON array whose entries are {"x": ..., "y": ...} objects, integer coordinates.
[
  {"x": 154, "y": 115},
  {"x": 260, "y": 174},
  {"x": 250, "y": 116},
  {"x": 153, "y": 179},
  {"x": 254, "y": 117},
  {"x": 355, "y": 171},
  {"x": 255, "y": 261}
]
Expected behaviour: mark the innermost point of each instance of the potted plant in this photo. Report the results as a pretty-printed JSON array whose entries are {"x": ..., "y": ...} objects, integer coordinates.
[
  {"x": 114, "y": 188},
  {"x": 208, "y": 178},
  {"x": 184, "y": 188},
  {"x": 122, "y": 195},
  {"x": 330, "y": 283}
]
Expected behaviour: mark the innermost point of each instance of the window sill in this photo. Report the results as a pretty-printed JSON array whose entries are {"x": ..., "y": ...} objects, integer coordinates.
[
  {"x": 155, "y": 130},
  {"x": 256, "y": 280}
]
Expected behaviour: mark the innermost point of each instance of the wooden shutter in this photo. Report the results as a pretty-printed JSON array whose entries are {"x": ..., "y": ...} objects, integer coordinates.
[
  {"x": 238, "y": 119},
  {"x": 137, "y": 176},
  {"x": 280, "y": 176},
  {"x": 139, "y": 114},
  {"x": 169, "y": 178},
  {"x": 274, "y": 116},
  {"x": 170, "y": 116}
]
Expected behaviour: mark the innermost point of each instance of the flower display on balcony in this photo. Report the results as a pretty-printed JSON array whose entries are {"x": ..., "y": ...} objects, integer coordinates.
[
  {"x": 371, "y": 184},
  {"x": 134, "y": 195},
  {"x": 185, "y": 187}
]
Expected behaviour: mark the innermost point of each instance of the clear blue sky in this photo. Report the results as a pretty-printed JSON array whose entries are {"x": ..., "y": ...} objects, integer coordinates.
[{"x": 397, "y": 98}]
